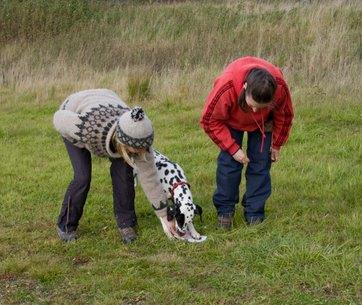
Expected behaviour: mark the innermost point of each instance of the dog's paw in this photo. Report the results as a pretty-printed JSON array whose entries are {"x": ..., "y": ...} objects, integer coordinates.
[
  {"x": 197, "y": 239},
  {"x": 200, "y": 240},
  {"x": 196, "y": 236}
]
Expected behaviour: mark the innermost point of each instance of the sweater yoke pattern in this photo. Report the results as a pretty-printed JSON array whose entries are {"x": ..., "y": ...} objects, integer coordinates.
[{"x": 95, "y": 126}]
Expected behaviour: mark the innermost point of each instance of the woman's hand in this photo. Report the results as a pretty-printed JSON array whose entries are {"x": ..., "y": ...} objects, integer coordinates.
[
  {"x": 168, "y": 227},
  {"x": 241, "y": 157}
]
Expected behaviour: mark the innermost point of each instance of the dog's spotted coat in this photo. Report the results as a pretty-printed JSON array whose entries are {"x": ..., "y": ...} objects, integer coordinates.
[{"x": 174, "y": 182}]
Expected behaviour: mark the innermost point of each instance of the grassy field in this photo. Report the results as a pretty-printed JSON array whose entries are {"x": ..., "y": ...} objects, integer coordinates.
[{"x": 164, "y": 56}]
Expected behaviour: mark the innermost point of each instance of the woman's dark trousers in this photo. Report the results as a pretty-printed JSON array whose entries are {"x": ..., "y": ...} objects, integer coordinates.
[
  {"x": 76, "y": 194},
  {"x": 258, "y": 184}
]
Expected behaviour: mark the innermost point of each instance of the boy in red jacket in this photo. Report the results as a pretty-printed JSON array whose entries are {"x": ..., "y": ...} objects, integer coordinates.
[{"x": 249, "y": 96}]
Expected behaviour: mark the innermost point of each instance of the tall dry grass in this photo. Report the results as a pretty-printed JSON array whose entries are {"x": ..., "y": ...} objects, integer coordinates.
[{"x": 177, "y": 48}]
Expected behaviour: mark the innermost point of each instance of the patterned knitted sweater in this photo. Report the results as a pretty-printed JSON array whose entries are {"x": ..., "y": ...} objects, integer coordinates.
[{"x": 88, "y": 120}]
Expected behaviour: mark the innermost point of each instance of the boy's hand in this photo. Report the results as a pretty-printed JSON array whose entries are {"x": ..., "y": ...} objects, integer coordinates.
[
  {"x": 275, "y": 153},
  {"x": 241, "y": 157}
]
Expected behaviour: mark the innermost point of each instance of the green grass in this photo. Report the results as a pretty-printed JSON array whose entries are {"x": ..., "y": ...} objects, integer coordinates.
[
  {"x": 158, "y": 55},
  {"x": 307, "y": 252}
]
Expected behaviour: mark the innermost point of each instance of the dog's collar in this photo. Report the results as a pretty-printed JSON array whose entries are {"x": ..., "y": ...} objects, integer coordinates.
[{"x": 177, "y": 184}]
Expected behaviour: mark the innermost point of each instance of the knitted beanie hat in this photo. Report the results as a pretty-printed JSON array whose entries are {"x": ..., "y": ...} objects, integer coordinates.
[{"x": 135, "y": 129}]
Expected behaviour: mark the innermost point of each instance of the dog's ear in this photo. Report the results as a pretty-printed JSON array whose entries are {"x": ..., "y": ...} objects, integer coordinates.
[
  {"x": 198, "y": 211},
  {"x": 180, "y": 218}
]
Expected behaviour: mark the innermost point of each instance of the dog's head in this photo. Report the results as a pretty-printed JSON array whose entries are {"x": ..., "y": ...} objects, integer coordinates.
[{"x": 183, "y": 209}]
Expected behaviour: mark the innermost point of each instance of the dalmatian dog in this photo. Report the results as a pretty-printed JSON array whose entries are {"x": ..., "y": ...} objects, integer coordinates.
[{"x": 183, "y": 209}]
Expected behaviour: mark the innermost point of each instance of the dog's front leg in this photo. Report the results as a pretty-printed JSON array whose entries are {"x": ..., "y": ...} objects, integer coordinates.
[
  {"x": 165, "y": 228},
  {"x": 193, "y": 232}
]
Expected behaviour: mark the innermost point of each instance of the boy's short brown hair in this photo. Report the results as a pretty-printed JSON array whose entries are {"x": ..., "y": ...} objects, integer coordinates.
[{"x": 261, "y": 85}]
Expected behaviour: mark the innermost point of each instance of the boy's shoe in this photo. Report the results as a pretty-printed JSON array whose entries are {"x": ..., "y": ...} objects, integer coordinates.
[
  {"x": 128, "y": 234},
  {"x": 67, "y": 236},
  {"x": 252, "y": 221},
  {"x": 225, "y": 221}
]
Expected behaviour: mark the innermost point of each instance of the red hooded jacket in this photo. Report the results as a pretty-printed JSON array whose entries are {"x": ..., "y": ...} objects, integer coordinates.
[{"x": 222, "y": 111}]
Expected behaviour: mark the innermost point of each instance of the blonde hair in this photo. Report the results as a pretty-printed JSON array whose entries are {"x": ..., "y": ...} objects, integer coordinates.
[{"x": 122, "y": 149}]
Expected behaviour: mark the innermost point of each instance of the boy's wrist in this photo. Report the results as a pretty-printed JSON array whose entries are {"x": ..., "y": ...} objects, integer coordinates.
[{"x": 233, "y": 149}]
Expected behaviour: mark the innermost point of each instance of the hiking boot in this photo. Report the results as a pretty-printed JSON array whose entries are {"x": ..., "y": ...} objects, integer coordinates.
[
  {"x": 225, "y": 222},
  {"x": 67, "y": 236},
  {"x": 128, "y": 234},
  {"x": 253, "y": 221}
]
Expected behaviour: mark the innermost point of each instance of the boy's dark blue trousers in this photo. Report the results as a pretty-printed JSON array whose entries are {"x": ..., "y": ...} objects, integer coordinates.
[{"x": 258, "y": 183}]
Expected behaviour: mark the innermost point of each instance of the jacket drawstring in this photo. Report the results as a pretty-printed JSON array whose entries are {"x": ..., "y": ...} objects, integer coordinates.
[{"x": 262, "y": 130}]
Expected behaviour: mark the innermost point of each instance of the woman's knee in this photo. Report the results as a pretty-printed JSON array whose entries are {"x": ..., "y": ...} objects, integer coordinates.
[{"x": 82, "y": 180}]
